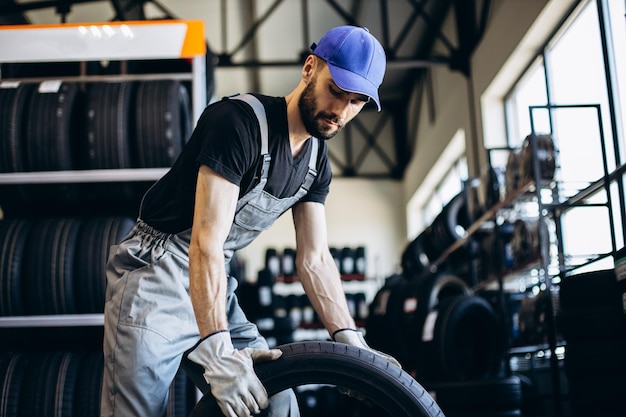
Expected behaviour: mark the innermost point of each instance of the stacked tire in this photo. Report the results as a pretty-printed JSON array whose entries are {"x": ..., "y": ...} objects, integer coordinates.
[
  {"x": 437, "y": 328},
  {"x": 539, "y": 149},
  {"x": 56, "y": 265},
  {"x": 65, "y": 126},
  {"x": 495, "y": 397},
  {"x": 448, "y": 338},
  {"x": 446, "y": 229},
  {"x": 68, "y": 383},
  {"x": 59, "y": 126},
  {"x": 592, "y": 321}
]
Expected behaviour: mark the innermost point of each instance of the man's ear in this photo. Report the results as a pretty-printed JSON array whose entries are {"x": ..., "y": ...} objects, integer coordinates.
[{"x": 308, "y": 69}]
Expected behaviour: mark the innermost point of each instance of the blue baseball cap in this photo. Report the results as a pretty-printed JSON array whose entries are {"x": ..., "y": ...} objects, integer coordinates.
[{"x": 355, "y": 58}]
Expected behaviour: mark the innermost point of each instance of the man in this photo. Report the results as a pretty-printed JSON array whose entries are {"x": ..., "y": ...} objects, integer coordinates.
[{"x": 249, "y": 160}]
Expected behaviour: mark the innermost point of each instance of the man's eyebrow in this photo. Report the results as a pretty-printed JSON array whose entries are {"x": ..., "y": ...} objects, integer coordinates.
[{"x": 362, "y": 97}]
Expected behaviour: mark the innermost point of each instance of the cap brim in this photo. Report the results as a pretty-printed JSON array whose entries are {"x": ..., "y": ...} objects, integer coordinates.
[{"x": 353, "y": 83}]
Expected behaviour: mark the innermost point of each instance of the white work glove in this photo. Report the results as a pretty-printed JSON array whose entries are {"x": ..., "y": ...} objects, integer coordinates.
[
  {"x": 354, "y": 337},
  {"x": 230, "y": 373}
]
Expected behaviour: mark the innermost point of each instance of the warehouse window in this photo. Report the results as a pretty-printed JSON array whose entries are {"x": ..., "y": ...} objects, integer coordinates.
[
  {"x": 570, "y": 71},
  {"x": 560, "y": 93}
]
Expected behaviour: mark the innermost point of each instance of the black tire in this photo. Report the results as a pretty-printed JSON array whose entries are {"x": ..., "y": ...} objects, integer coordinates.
[
  {"x": 427, "y": 294},
  {"x": 162, "y": 122},
  {"x": 545, "y": 153},
  {"x": 51, "y": 128},
  {"x": 12, "y": 104},
  {"x": 370, "y": 376},
  {"x": 182, "y": 396},
  {"x": 512, "y": 173},
  {"x": 96, "y": 236},
  {"x": 464, "y": 342},
  {"x": 13, "y": 237},
  {"x": 89, "y": 385},
  {"x": 508, "y": 413},
  {"x": 525, "y": 241},
  {"x": 447, "y": 228},
  {"x": 490, "y": 395},
  {"x": 597, "y": 395},
  {"x": 50, "y": 266},
  {"x": 384, "y": 326},
  {"x": 606, "y": 323},
  {"x": 595, "y": 358},
  {"x": 590, "y": 290},
  {"x": 12, "y": 375},
  {"x": 414, "y": 258},
  {"x": 49, "y": 388},
  {"x": 107, "y": 126}
]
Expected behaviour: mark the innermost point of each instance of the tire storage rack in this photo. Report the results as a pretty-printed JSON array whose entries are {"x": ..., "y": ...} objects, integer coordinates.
[
  {"x": 84, "y": 131},
  {"x": 276, "y": 301},
  {"x": 492, "y": 314}
]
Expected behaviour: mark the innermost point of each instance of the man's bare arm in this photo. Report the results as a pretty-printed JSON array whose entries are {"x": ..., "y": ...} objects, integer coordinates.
[
  {"x": 216, "y": 200},
  {"x": 316, "y": 268}
]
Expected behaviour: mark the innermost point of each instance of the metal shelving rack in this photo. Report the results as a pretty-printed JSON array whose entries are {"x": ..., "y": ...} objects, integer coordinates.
[
  {"x": 85, "y": 42},
  {"x": 551, "y": 270}
]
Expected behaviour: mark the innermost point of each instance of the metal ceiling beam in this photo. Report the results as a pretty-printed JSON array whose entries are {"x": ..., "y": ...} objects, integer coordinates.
[{"x": 351, "y": 14}]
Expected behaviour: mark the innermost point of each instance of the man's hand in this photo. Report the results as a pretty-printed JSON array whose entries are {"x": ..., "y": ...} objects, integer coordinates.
[
  {"x": 354, "y": 337},
  {"x": 231, "y": 375}
]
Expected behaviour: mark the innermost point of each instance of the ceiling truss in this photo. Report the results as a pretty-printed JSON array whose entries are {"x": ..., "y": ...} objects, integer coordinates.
[{"x": 360, "y": 142}]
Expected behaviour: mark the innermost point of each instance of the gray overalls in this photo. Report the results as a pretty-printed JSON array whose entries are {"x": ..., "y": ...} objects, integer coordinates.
[{"x": 149, "y": 319}]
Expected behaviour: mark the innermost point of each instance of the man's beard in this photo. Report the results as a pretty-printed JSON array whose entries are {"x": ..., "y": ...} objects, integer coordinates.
[{"x": 314, "y": 123}]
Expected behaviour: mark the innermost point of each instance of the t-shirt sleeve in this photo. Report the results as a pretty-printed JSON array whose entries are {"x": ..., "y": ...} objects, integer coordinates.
[{"x": 231, "y": 139}]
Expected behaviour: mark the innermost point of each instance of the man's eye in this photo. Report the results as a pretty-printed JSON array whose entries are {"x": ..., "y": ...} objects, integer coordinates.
[{"x": 334, "y": 92}]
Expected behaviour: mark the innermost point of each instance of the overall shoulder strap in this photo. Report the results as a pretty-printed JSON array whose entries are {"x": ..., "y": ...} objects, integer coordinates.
[{"x": 259, "y": 111}]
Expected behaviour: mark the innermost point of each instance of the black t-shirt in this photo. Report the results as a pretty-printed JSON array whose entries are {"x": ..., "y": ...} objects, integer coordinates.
[{"x": 227, "y": 139}]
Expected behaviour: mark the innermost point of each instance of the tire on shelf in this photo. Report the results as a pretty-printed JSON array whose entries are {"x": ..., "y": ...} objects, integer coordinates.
[
  {"x": 427, "y": 295},
  {"x": 12, "y": 104},
  {"x": 546, "y": 155},
  {"x": 509, "y": 413},
  {"x": 414, "y": 259},
  {"x": 49, "y": 266},
  {"x": 106, "y": 143},
  {"x": 446, "y": 229},
  {"x": 533, "y": 317},
  {"x": 479, "y": 396},
  {"x": 49, "y": 390},
  {"x": 51, "y": 126},
  {"x": 525, "y": 241},
  {"x": 597, "y": 395},
  {"x": 494, "y": 185},
  {"x": 399, "y": 309},
  {"x": 591, "y": 307},
  {"x": 512, "y": 174},
  {"x": 388, "y": 388},
  {"x": 96, "y": 236},
  {"x": 162, "y": 122},
  {"x": 589, "y": 289},
  {"x": 594, "y": 358},
  {"x": 384, "y": 326},
  {"x": 461, "y": 341},
  {"x": 13, "y": 238},
  {"x": 12, "y": 375},
  {"x": 89, "y": 385},
  {"x": 107, "y": 126}
]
